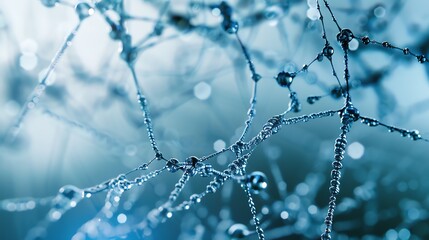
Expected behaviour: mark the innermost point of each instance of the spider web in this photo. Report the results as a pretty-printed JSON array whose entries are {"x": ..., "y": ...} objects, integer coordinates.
[{"x": 201, "y": 120}]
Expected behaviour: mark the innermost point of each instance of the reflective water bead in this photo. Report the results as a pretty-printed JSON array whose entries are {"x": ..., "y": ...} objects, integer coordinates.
[
  {"x": 49, "y": 3},
  {"x": 284, "y": 79},
  {"x": 386, "y": 44},
  {"x": 337, "y": 165},
  {"x": 336, "y": 92},
  {"x": 257, "y": 181},
  {"x": 256, "y": 77},
  {"x": 313, "y": 99},
  {"x": 84, "y": 10},
  {"x": 238, "y": 231},
  {"x": 328, "y": 51},
  {"x": 206, "y": 170},
  {"x": 350, "y": 113},
  {"x": 335, "y": 174},
  {"x": 406, "y": 51},
  {"x": 366, "y": 40},
  {"x": 421, "y": 59},
  {"x": 319, "y": 57},
  {"x": 173, "y": 165},
  {"x": 230, "y": 26},
  {"x": 370, "y": 122},
  {"x": 305, "y": 67},
  {"x": 143, "y": 167},
  {"x": 415, "y": 135},
  {"x": 345, "y": 36},
  {"x": 192, "y": 161}
]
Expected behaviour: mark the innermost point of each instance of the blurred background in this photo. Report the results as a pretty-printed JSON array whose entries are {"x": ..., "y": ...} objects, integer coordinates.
[{"x": 88, "y": 128}]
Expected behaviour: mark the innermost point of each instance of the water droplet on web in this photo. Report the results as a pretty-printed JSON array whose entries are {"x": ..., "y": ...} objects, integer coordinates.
[
  {"x": 345, "y": 36},
  {"x": 366, "y": 40},
  {"x": 173, "y": 165},
  {"x": 84, "y": 10},
  {"x": 415, "y": 135},
  {"x": 49, "y": 3},
  {"x": 285, "y": 79},
  {"x": 230, "y": 26},
  {"x": 257, "y": 181},
  {"x": 313, "y": 99}
]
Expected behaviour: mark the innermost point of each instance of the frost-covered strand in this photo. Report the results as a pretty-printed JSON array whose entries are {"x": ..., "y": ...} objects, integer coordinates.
[
  {"x": 252, "y": 207},
  {"x": 103, "y": 137},
  {"x": 148, "y": 122},
  {"x": 34, "y": 98},
  {"x": 212, "y": 187},
  {"x": 413, "y": 134},
  {"x": 421, "y": 58},
  {"x": 144, "y": 178},
  {"x": 177, "y": 189},
  {"x": 275, "y": 123},
  {"x": 334, "y": 187},
  {"x": 250, "y": 113},
  {"x": 146, "y": 115},
  {"x": 255, "y": 77},
  {"x": 238, "y": 164}
]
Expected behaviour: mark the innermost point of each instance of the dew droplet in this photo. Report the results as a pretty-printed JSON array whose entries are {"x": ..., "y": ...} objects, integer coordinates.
[
  {"x": 84, "y": 10},
  {"x": 345, "y": 36},
  {"x": 328, "y": 51},
  {"x": 313, "y": 99},
  {"x": 421, "y": 59},
  {"x": 173, "y": 165},
  {"x": 366, "y": 40},
  {"x": 49, "y": 3},
  {"x": 257, "y": 181},
  {"x": 285, "y": 79},
  {"x": 415, "y": 135},
  {"x": 230, "y": 26}
]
